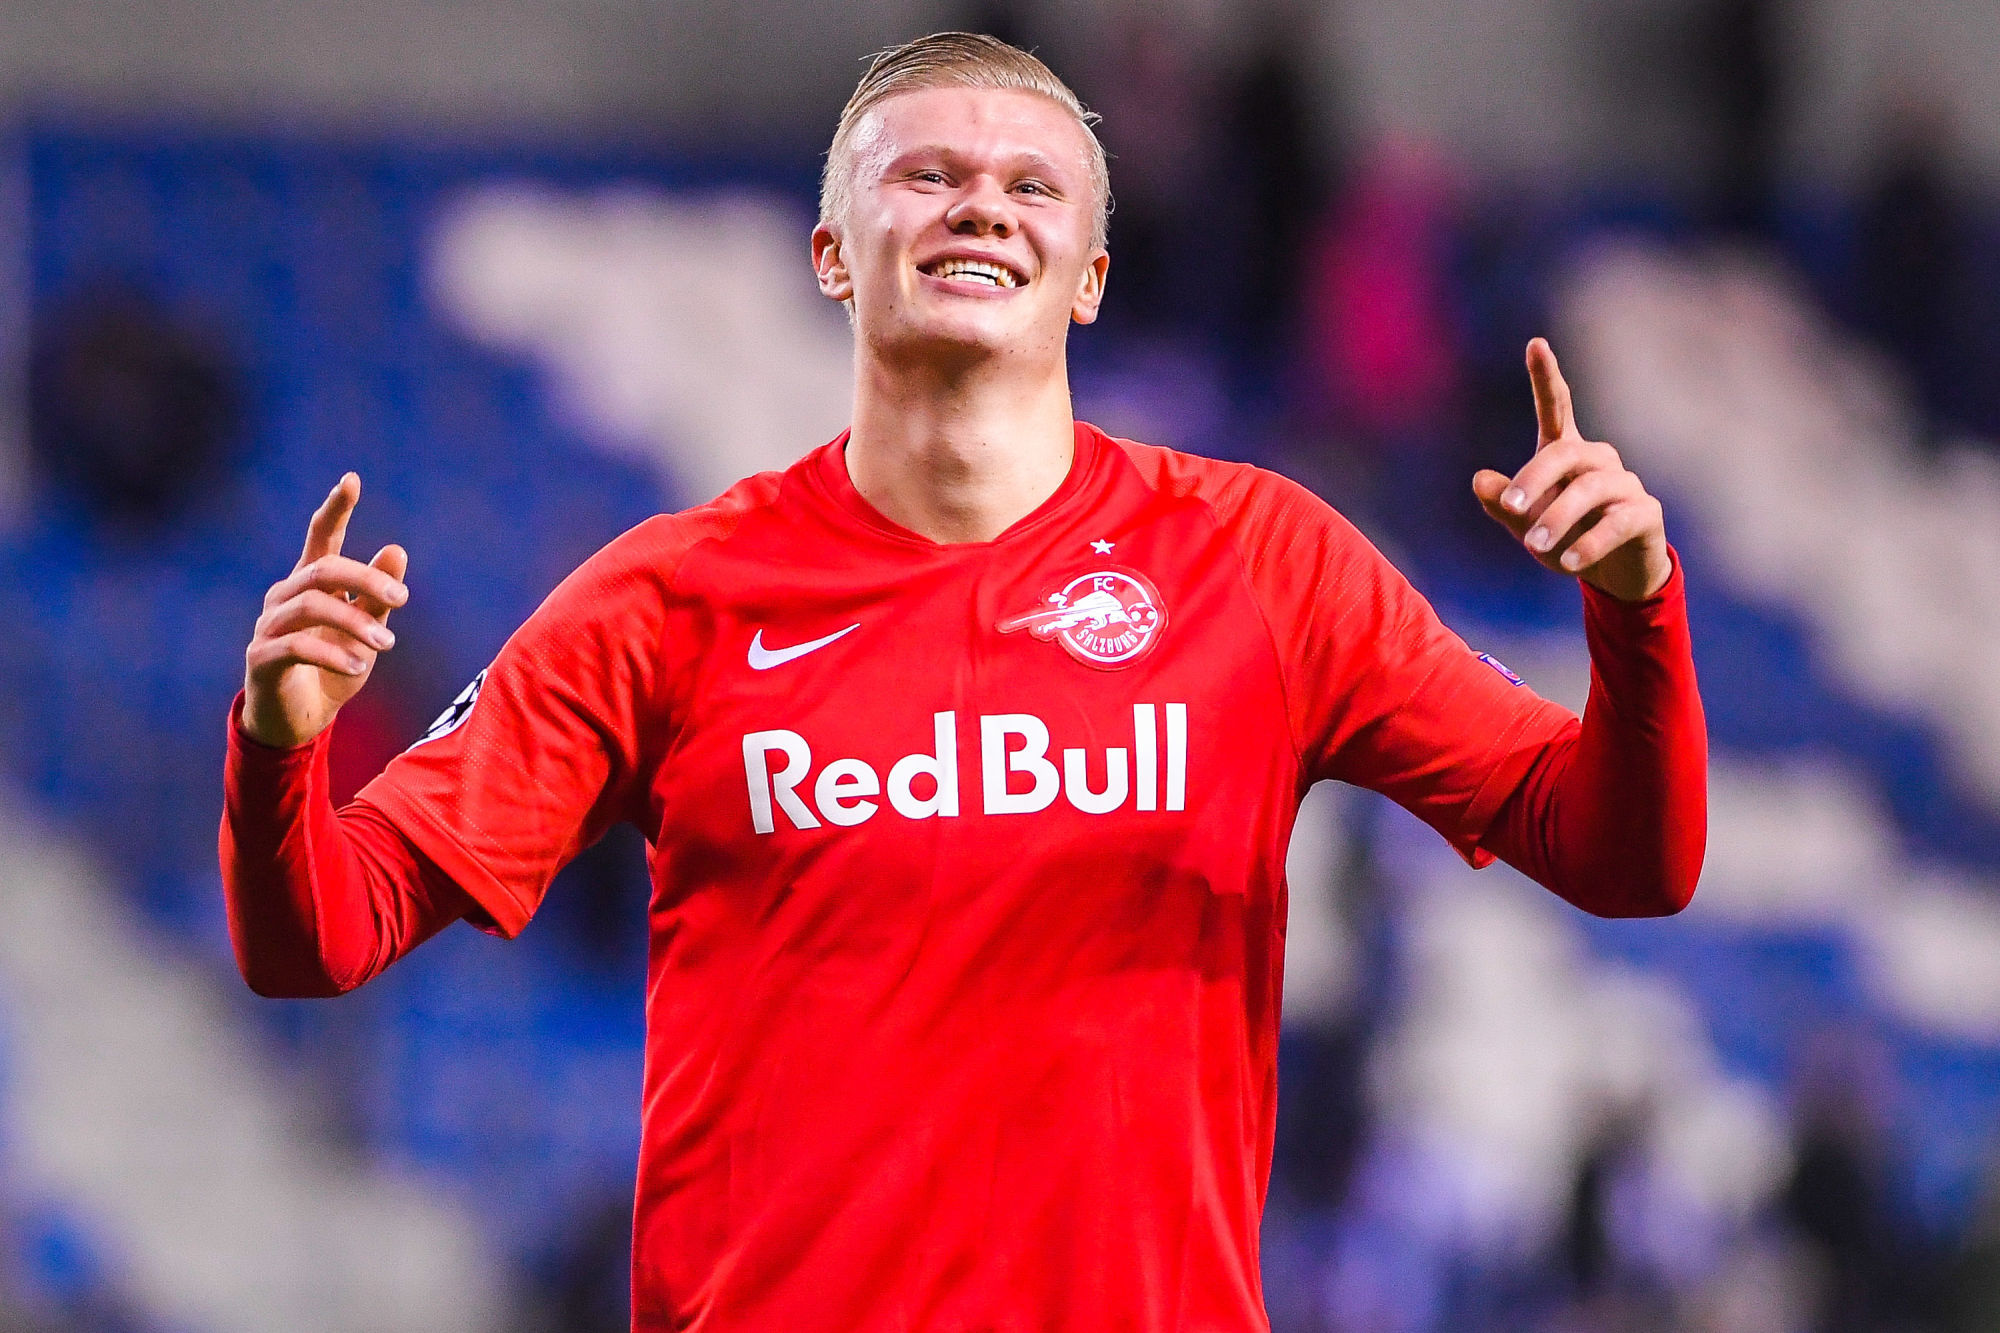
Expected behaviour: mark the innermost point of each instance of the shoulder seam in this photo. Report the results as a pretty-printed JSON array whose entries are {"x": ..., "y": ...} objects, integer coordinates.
[
  {"x": 721, "y": 519},
  {"x": 1249, "y": 472},
  {"x": 1270, "y": 634},
  {"x": 728, "y": 523},
  {"x": 677, "y": 730},
  {"x": 1263, "y": 618}
]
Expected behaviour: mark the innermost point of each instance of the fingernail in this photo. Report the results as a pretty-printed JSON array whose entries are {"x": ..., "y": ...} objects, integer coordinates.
[
  {"x": 1538, "y": 540},
  {"x": 1571, "y": 560},
  {"x": 1515, "y": 499},
  {"x": 355, "y": 664},
  {"x": 382, "y": 637},
  {"x": 398, "y": 594}
]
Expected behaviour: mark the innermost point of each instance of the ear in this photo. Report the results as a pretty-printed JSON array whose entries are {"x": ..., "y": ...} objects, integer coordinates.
[
  {"x": 1090, "y": 292},
  {"x": 834, "y": 282}
]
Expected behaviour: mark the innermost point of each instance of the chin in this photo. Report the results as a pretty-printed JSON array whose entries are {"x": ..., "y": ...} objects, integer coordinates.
[{"x": 971, "y": 333}]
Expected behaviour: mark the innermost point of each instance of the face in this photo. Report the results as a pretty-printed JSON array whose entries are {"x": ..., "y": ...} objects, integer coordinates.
[{"x": 968, "y": 232}]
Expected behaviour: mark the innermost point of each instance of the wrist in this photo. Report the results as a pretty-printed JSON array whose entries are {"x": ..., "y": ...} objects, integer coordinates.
[
  {"x": 267, "y": 726},
  {"x": 1641, "y": 581},
  {"x": 1661, "y": 587}
]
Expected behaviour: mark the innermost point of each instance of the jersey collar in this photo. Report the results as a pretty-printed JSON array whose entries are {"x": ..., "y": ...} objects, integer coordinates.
[{"x": 827, "y": 471}]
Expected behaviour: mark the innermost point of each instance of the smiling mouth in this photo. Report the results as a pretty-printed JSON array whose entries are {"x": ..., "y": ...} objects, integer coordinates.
[{"x": 975, "y": 270}]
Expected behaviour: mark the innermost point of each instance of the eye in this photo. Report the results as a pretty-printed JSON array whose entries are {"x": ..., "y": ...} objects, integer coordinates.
[
  {"x": 929, "y": 177},
  {"x": 1033, "y": 187}
]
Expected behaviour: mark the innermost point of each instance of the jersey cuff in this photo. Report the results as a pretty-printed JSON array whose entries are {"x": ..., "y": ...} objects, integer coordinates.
[{"x": 503, "y": 907}]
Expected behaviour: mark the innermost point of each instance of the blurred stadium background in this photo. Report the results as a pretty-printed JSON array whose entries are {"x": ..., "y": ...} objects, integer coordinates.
[{"x": 536, "y": 268}]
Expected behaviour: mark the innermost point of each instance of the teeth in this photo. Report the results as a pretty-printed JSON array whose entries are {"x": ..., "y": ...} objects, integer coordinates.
[{"x": 977, "y": 270}]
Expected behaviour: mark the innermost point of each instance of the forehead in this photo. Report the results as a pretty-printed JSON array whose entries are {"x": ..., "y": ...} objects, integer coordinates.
[{"x": 976, "y": 123}]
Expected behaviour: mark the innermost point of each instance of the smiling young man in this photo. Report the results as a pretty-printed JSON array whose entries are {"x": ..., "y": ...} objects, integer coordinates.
[{"x": 968, "y": 750}]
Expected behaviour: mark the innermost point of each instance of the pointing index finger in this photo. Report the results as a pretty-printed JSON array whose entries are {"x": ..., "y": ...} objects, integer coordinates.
[
  {"x": 1552, "y": 404},
  {"x": 328, "y": 528}
]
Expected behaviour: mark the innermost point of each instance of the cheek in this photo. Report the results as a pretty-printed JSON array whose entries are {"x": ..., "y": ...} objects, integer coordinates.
[
  {"x": 1062, "y": 259},
  {"x": 887, "y": 239},
  {"x": 869, "y": 264}
]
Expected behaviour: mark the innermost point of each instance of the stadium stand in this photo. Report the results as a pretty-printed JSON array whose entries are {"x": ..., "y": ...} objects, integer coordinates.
[
  {"x": 1815, "y": 911},
  {"x": 512, "y": 1071},
  {"x": 1792, "y": 451},
  {"x": 1795, "y": 452},
  {"x": 685, "y": 327},
  {"x": 162, "y": 1136}
]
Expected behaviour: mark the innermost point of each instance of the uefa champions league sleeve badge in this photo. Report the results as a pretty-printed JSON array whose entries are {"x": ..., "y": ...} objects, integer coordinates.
[{"x": 454, "y": 716}]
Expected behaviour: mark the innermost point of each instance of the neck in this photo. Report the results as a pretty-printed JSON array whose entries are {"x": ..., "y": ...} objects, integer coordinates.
[{"x": 958, "y": 454}]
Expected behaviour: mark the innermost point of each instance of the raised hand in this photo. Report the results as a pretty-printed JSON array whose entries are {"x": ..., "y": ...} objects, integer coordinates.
[
  {"x": 322, "y": 627},
  {"x": 1576, "y": 506}
]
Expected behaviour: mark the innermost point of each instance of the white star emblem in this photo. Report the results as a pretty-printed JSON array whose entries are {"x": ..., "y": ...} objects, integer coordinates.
[{"x": 1101, "y": 547}]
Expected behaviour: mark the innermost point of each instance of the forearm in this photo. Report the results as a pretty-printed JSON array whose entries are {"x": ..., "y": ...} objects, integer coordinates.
[
  {"x": 1614, "y": 817},
  {"x": 318, "y": 901}
]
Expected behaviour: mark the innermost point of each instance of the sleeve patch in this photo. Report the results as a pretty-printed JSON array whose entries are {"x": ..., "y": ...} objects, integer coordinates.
[
  {"x": 1501, "y": 667},
  {"x": 454, "y": 716}
]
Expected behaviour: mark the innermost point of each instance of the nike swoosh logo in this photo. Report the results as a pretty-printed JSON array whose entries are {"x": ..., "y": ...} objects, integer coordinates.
[{"x": 763, "y": 659}]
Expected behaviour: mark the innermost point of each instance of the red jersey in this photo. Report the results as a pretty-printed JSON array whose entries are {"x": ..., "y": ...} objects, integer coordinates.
[{"x": 968, "y": 907}]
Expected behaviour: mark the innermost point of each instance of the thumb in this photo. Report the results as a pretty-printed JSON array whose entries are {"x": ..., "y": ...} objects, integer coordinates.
[
  {"x": 394, "y": 561},
  {"x": 1488, "y": 486}
]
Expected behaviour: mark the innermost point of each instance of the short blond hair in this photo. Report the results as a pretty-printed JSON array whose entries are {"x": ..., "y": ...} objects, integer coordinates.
[{"x": 953, "y": 60}]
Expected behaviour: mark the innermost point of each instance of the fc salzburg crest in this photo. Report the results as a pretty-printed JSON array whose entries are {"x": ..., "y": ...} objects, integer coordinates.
[{"x": 1108, "y": 619}]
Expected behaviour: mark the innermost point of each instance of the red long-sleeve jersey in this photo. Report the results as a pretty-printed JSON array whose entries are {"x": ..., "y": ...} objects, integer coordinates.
[{"x": 968, "y": 899}]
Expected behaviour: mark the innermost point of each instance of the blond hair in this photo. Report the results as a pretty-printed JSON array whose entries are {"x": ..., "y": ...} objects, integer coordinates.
[{"x": 953, "y": 60}]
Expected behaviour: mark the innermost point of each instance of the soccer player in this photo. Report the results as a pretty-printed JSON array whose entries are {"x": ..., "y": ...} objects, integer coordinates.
[{"x": 967, "y": 750}]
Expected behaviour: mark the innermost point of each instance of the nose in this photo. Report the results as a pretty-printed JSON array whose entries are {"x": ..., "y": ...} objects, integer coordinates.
[{"x": 982, "y": 209}]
